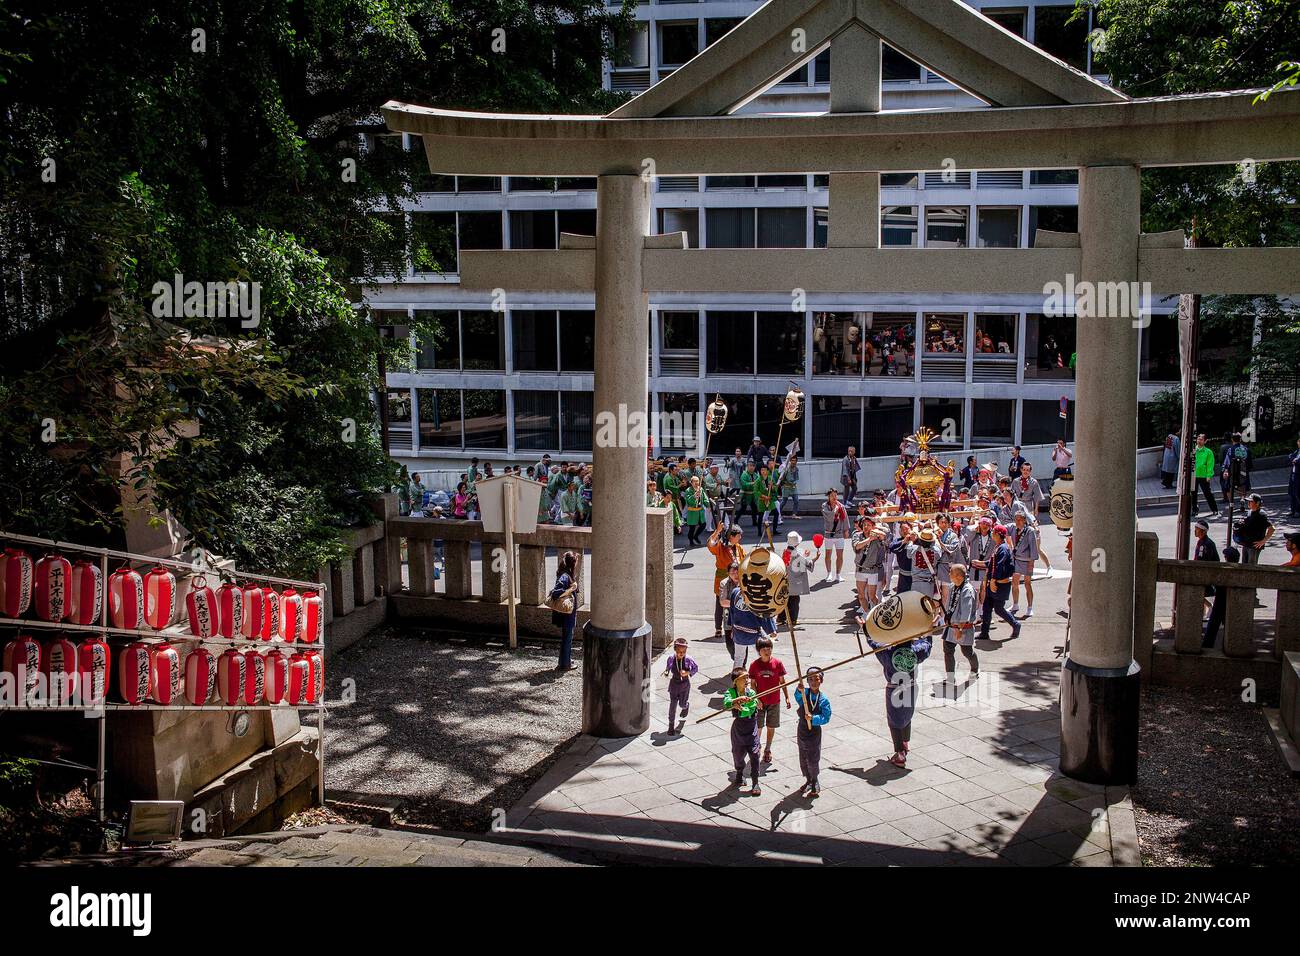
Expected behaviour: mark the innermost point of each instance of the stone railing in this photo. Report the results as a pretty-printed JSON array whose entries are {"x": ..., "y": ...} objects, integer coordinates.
[
  {"x": 1251, "y": 647},
  {"x": 415, "y": 595},
  {"x": 356, "y": 590}
]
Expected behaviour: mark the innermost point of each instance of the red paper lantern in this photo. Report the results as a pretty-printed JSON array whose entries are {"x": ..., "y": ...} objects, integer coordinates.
[
  {"x": 15, "y": 582},
  {"x": 202, "y": 608},
  {"x": 230, "y": 610},
  {"x": 292, "y": 622},
  {"x": 232, "y": 674},
  {"x": 277, "y": 677},
  {"x": 270, "y": 615},
  {"x": 126, "y": 599},
  {"x": 254, "y": 612},
  {"x": 85, "y": 594},
  {"x": 299, "y": 681},
  {"x": 313, "y": 616},
  {"x": 53, "y": 574},
  {"x": 93, "y": 661},
  {"x": 316, "y": 681},
  {"x": 159, "y": 598},
  {"x": 60, "y": 666},
  {"x": 168, "y": 680},
  {"x": 254, "y": 677},
  {"x": 135, "y": 673},
  {"x": 22, "y": 659},
  {"x": 200, "y": 676}
]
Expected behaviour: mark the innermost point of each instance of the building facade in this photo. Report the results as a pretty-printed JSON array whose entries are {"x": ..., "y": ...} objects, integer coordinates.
[{"x": 509, "y": 376}]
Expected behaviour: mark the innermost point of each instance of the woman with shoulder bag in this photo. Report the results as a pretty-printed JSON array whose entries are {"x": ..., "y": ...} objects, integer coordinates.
[{"x": 563, "y": 602}]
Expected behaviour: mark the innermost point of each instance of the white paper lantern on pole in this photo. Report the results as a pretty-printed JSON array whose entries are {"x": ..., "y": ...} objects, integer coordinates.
[
  {"x": 85, "y": 594},
  {"x": 15, "y": 582},
  {"x": 50, "y": 587},
  {"x": 126, "y": 599}
]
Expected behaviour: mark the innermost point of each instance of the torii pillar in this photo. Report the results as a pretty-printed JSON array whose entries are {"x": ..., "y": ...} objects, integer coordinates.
[
  {"x": 1100, "y": 679},
  {"x": 616, "y": 642}
]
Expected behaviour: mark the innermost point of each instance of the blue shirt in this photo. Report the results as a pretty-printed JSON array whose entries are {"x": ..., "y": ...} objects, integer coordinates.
[
  {"x": 1004, "y": 564},
  {"x": 819, "y": 707},
  {"x": 745, "y": 624}
]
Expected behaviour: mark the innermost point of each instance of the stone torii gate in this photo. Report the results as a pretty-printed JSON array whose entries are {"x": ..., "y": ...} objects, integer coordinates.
[{"x": 1044, "y": 114}]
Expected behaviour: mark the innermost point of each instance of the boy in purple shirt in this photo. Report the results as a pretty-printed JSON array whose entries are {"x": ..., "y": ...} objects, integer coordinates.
[{"x": 679, "y": 671}]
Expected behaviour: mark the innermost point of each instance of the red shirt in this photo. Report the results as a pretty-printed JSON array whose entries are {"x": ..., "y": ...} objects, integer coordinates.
[{"x": 766, "y": 676}]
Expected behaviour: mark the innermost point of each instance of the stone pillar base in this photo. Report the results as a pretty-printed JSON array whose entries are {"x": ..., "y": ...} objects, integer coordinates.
[
  {"x": 615, "y": 676},
  {"x": 1099, "y": 723}
]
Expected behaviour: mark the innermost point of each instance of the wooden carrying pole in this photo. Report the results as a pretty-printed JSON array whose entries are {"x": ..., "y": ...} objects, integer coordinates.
[
  {"x": 807, "y": 714},
  {"x": 509, "y": 492}
]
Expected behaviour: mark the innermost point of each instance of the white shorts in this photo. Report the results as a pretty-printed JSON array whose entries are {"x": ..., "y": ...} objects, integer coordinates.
[
  {"x": 833, "y": 544},
  {"x": 867, "y": 577}
]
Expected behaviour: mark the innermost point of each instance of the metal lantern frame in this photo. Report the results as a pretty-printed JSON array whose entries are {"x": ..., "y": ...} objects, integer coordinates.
[{"x": 176, "y": 633}]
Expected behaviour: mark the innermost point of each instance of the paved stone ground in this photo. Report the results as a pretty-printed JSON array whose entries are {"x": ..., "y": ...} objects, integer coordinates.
[{"x": 981, "y": 786}]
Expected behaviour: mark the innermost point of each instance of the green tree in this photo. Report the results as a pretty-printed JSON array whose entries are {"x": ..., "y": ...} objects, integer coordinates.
[{"x": 228, "y": 141}]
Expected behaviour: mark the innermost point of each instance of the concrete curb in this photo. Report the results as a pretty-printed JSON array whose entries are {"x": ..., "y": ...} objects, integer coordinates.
[
  {"x": 1159, "y": 500},
  {"x": 1125, "y": 849}
]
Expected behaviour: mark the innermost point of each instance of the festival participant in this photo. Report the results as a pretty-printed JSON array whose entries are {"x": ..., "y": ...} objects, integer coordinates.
[
  {"x": 679, "y": 671},
  {"x": 969, "y": 474},
  {"x": 735, "y": 466},
  {"x": 900, "y": 691},
  {"x": 695, "y": 502},
  {"x": 849, "y": 468},
  {"x": 765, "y": 496},
  {"x": 724, "y": 545},
  {"x": 903, "y": 557},
  {"x": 757, "y": 452},
  {"x": 835, "y": 529},
  {"x": 764, "y": 675},
  {"x": 1203, "y": 468},
  {"x": 713, "y": 489},
  {"x": 1206, "y": 551},
  {"x": 653, "y": 498},
  {"x": 1028, "y": 491},
  {"x": 959, "y": 626},
  {"x": 747, "y": 626},
  {"x": 798, "y": 569},
  {"x": 1005, "y": 506},
  {"x": 1015, "y": 464},
  {"x": 748, "y": 495},
  {"x": 868, "y": 545},
  {"x": 1062, "y": 459},
  {"x": 1025, "y": 551},
  {"x": 818, "y": 708},
  {"x": 1253, "y": 531},
  {"x": 978, "y": 546},
  {"x": 789, "y": 486},
  {"x": 744, "y": 728},
  {"x": 571, "y": 504},
  {"x": 1001, "y": 568},
  {"x": 949, "y": 548}
]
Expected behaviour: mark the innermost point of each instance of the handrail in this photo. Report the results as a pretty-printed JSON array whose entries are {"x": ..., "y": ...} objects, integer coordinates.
[{"x": 1262, "y": 578}]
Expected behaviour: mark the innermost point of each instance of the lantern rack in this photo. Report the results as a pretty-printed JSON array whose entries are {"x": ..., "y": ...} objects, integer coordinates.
[{"x": 203, "y": 567}]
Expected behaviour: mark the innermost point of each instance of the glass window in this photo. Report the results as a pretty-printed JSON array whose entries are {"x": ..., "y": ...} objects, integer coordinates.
[
  {"x": 838, "y": 343},
  {"x": 679, "y": 422},
  {"x": 768, "y": 410},
  {"x": 1011, "y": 20},
  {"x": 822, "y": 67},
  {"x": 945, "y": 333},
  {"x": 485, "y": 418},
  {"x": 1041, "y": 422},
  {"x": 715, "y": 28},
  {"x": 896, "y": 66},
  {"x": 998, "y": 227},
  {"x": 399, "y": 406},
  {"x": 437, "y": 334},
  {"x": 478, "y": 184},
  {"x": 780, "y": 343},
  {"x": 433, "y": 241},
  {"x": 1052, "y": 219},
  {"x": 885, "y": 423},
  {"x": 739, "y": 430},
  {"x": 1059, "y": 32},
  {"x": 1049, "y": 347},
  {"x": 678, "y": 42},
  {"x": 943, "y": 416},
  {"x": 577, "y": 340},
  {"x": 440, "y": 417},
  {"x": 532, "y": 229},
  {"x": 729, "y": 228},
  {"x": 679, "y": 331},
  {"x": 632, "y": 46},
  {"x": 993, "y": 422},
  {"x": 535, "y": 342},
  {"x": 1053, "y": 177},
  {"x": 483, "y": 342},
  {"x": 681, "y": 220},
  {"x": 537, "y": 420},
  {"x": 575, "y": 421},
  {"x": 945, "y": 226},
  {"x": 427, "y": 182},
  {"x": 995, "y": 334},
  {"x": 890, "y": 344},
  {"x": 782, "y": 228},
  {"x": 1160, "y": 359},
  {"x": 480, "y": 230},
  {"x": 898, "y": 226},
  {"x": 899, "y": 180},
  {"x": 837, "y": 424},
  {"x": 577, "y": 222},
  {"x": 821, "y": 228},
  {"x": 535, "y": 184},
  {"x": 731, "y": 343},
  {"x": 729, "y": 182},
  {"x": 781, "y": 182}
]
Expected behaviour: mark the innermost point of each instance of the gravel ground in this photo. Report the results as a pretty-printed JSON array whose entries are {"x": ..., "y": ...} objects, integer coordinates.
[
  {"x": 1212, "y": 789},
  {"x": 455, "y": 725}
]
